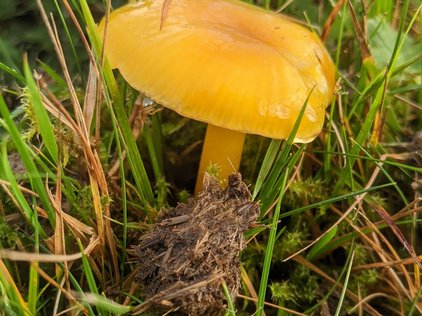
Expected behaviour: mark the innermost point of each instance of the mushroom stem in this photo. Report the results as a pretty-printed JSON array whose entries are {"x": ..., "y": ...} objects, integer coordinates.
[{"x": 222, "y": 147}]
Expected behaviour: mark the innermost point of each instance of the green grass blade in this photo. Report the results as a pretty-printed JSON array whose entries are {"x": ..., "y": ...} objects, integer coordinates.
[
  {"x": 337, "y": 282},
  {"x": 268, "y": 162},
  {"x": 316, "y": 249},
  {"x": 33, "y": 287},
  {"x": 415, "y": 301},
  {"x": 387, "y": 175},
  {"x": 134, "y": 157},
  {"x": 266, "y": 4},
  {"x": 281, "y": 161},
  {"x": 273, "y": 187},
  {"x": 45, "y": 126},
  {"x": 230, "y": 307},
  {"x": 334, "y": 200},
  {"x": 137, "y": 166},
  {"x": 92, "y": 284},
  {"x": 157, "y": 137},
  {"x": 124, "y": 208},
  {"x": 269, "y": 251},
  {"x": 70, "y": 40},
  {"x": 53, "y": 75},
  {"x": 328, "y": 144},
  {"x": 7, "y": 174},
  {"x": 379, "y": 98},
  {"x": 10, "y": 298},
  {"x": 28, "y": 160},
  {"x": 12, "y": 72},
  {"x": 104, "y": 304},
  {"x": 34, "y": 278},
  {"x": 346, "y": 282},
  {"x": 156, "y": 166},
  {"x": 399, "y": 41}
]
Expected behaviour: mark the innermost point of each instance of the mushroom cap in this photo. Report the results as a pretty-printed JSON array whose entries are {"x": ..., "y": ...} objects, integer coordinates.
[{"x": 224, "y": 62}]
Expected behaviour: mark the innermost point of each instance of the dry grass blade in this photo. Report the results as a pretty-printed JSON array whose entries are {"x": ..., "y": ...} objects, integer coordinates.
[
  {"x": 390, "y": 221},
  {"x": 40, "y": 257},
  {"x": 407, "y": 291},
  {"x": 164, "y": 11},
  {"x": 396, "y": 276},
  {"x": 379, "y": 120},
  {"x": 59, "y": 235},
  {"x": 387, "y": 264},
  {"x": 384, "y": 255},
  {"x": 396, "y": 230},
  {"x": 301, "y": 260},
  {"x": 6, "y": 184},
  {"x": 350, "y": 207},
  {"x": 140, "y": 114},
  {"x": 68, "y": 294},
  {"x": 342, "y": 217},
  {"x": 10, "y": 282},
  {"x": 96, "y": 172},
  {"x": 367, "y": 299},
  {"x": 82, "y": 34},
  {"x": 330, "y": 20},
  {"x": 364, "y": 48},
  {"x": 290, "y": 311},
  {"x": 248, "y": 283},
  {"x": 164, "y": 296},
  {"x": 91, "y": 96}
]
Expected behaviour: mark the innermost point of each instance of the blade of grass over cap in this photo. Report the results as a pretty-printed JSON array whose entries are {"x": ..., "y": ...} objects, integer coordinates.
[
  {"x": 271, "y": 172},
  {"x": 267, "y": 164},
  {"x": 272, "y": 190}
]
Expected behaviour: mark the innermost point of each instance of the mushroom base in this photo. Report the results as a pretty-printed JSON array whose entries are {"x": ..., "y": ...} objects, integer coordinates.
[{"x": 223, "y": 149}]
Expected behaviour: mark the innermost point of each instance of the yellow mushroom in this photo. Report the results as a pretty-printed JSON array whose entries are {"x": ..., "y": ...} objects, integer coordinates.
[{"x": 237, "y": 67}]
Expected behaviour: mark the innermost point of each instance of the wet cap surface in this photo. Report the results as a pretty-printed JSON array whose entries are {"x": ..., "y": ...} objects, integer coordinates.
[{"x": 225, "y": 63}]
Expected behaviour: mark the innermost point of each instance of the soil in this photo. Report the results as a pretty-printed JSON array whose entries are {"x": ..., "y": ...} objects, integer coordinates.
[{"x": 193, "y": 247}]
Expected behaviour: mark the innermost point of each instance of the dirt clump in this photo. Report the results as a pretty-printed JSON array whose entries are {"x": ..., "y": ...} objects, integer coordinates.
[{"x": 193, "y": 247}]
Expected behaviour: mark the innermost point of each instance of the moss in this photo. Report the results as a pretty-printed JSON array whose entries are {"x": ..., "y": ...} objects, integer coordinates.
[
  {"x": 8, "y": 236},
  {"x": 283, "y": 292},
  {"x": 298, "y": 292}
]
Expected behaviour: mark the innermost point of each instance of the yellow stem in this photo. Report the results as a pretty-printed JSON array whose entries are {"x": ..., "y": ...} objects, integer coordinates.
[{"x": 222, "y": 147}]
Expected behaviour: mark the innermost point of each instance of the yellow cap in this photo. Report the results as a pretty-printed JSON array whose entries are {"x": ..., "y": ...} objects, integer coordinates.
[{"x": 224, "y": 62}]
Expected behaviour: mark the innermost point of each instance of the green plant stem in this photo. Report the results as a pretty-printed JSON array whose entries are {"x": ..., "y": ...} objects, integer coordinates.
[{"x": 269, "y": 250}]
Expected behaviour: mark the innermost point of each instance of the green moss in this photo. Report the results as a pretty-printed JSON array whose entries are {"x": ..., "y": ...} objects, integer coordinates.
[
  {"x": 8, "y": 236},
  {"x": 283, "y": 292}
]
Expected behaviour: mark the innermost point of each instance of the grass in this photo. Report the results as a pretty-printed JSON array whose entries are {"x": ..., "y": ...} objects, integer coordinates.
[{"x": 81, "y": 179}]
